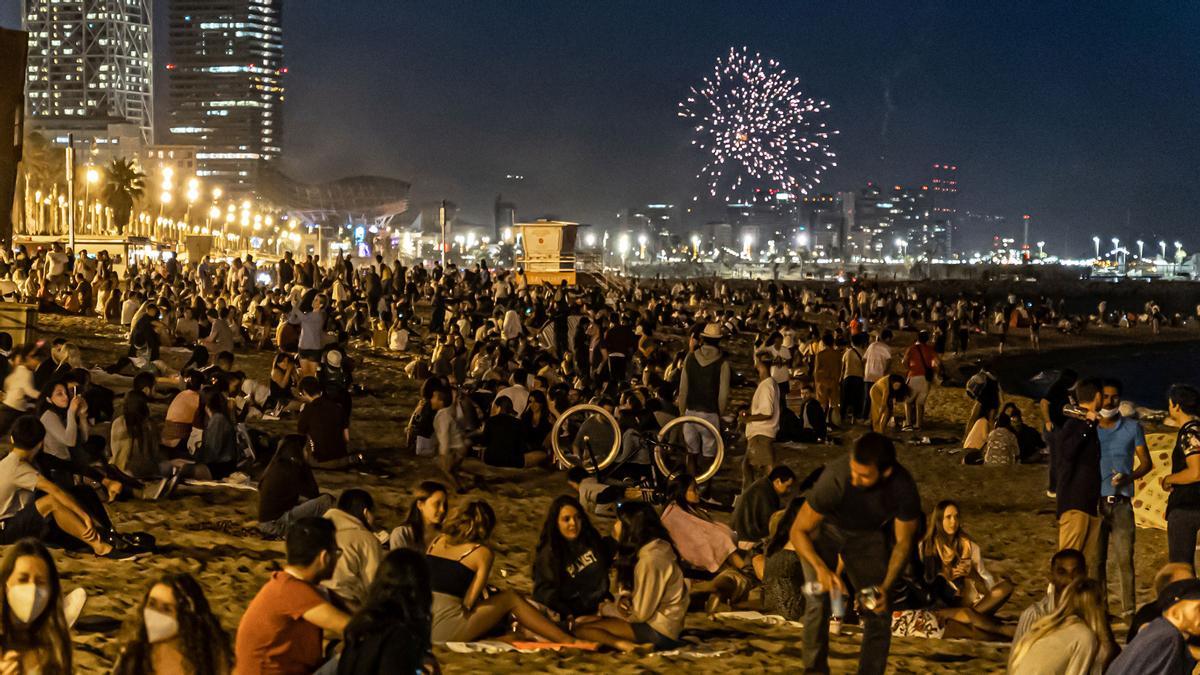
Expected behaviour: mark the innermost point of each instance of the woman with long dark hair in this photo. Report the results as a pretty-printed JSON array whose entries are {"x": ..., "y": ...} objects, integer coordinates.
[
  {"x": 954, "y": 566},
  {"x": 34, "y": 637},
  {"x": 570, "y": 572},
  {"x": 707, "y": 549},
  {"x": 654, "y": 596},
  {"x": 391, "y": 632},
  {"x": 175, "y": 631},
  {"x": 425, "y": 517},
  {"x": 218, "y": 449},
  {"x": 287, "y": 490}
]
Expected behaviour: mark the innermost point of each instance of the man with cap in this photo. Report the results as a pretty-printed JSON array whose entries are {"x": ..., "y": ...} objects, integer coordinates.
[
  {"x": 1162, "y": 646},
  {"x": 704, "y": 392}
]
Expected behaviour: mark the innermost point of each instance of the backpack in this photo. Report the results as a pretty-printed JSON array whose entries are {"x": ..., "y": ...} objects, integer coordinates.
[{"x": 977, "y": 384}]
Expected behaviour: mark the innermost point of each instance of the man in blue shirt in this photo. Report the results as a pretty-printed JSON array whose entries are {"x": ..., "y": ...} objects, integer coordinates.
[
  {"x": 1161, "y": 648},
  {"x": 1121, "y": 440}
]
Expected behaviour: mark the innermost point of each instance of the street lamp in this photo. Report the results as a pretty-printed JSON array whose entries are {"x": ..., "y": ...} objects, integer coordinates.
[
  {"x": 91, "y": 177},
  {"x": 1041, "y": 249},
  {"x": 1096, "y": 241},
  {"x": 1162, "y": 246},
  {"x": 1140, "y": 244}
]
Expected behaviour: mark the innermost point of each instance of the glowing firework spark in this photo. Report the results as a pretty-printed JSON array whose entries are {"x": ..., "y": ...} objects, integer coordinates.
[{"x": 758, "y": 127}]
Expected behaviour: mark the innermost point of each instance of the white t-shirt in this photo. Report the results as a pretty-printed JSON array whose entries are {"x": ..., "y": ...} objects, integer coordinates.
[
  {"x": 765, "y": 402},
  {"x": 128, "y": 309},
  {"x": 879, "y": 359},
  {"x": 398, "y": 340},
  {"x": 518, "y": 395},
  {"x": 780, "y": 372},
  {"x": 17, "y": 482}
]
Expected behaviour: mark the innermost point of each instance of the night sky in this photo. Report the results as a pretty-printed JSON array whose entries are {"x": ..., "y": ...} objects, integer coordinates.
[{"x": 1082, "y": 114}]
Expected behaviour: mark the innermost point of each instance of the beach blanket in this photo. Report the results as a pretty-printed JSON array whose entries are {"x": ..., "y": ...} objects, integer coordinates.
[
  {"x": 498, "y": 647},
  {"x": 1149, "y": 499},
  {"x": 759, "y": 618}
]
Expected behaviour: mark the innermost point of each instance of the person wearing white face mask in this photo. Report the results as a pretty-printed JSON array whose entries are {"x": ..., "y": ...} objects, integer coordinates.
[
  {"x": 175, "y": 631},
  {"x": 1121, "y": 440},
  {"x": 35, "y": 637}
]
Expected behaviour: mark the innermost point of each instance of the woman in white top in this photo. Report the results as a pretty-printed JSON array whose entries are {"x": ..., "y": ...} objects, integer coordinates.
[{"x": 1074, "y": 640}]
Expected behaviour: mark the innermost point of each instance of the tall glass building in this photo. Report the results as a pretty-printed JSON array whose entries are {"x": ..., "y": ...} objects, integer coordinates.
[
  {"x": 225, "y": 74},
  {"x": 90, "y": 63}
]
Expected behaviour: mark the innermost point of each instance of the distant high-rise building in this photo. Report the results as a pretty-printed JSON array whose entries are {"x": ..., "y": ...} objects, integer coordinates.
[
  {"x": 504, "y": 215},
  {"x": 944, "y": 203},
  {"x": 225, "y": 76},
  {"x": 89, "y": 66}
]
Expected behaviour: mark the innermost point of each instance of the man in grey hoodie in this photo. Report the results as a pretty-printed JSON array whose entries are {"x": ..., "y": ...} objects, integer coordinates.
[{"x": 704, "y": 392}]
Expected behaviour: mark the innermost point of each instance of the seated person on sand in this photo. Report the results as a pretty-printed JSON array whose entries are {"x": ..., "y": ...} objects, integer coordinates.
[
  {"x": 325, "y": 425},
  {"x": 779, "y": 567},
  {"x": 287, "y": 490},
  {"x": 218, "y": 454},
  {"x": 1167, "y": 575},
  {"x": 991, "y": 443},
  {"x": 599, "y": 497},
  {"x": 361, "y": 551},
  {"x": 423, "y": 523},
  {"x": 133, "y": 440},
  {"x": 391, "y": 633},
  {"x": 69, "y": 448},
  {"x": 572, "y": 563},
  {"x": 1074, "y": 640},
  {"x": 281, "y": 631},
  {"x": 953, "y": 564},
  {"x": 811, "y": 419},
  {"x": 707, "y": 549},
  {"x": 23, "y": 513},
  {"x": 460, "y": 563},
  {"x": 653, "y": 601},
  {"x": 36, "y": 638},
  {"x": 183, "y": 414},
  {"x": 1031, "y": 447},
  {"x": 755, "y": 506},
  {"x": 503, "y": 439},
  {"x": 1065, "y": 567},
  {"x": 175, "y": 603}
]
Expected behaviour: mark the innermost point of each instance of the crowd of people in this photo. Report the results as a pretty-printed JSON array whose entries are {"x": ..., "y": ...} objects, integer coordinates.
[{"x": 622, "y": 557}]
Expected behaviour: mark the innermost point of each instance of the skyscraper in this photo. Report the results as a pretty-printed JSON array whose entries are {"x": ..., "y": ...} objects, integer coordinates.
[
  {"x": 226, "y": 85},
  {"x": 944, "y": 183},
  {"x": 89, "y": 64}
]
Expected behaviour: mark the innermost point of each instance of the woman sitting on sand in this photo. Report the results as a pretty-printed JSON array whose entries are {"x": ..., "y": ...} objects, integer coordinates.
[
  {"x": 34, "y": 637},
  {"x": 391, "y": 633},
  {"x": 287, "y": 490},
  {"x": 175, "y": 631},
  {"x": 780, "y": 569},
  {"x": 570, "y": 572},
  {"x": 954, "y": 567},
  {"x": 654, "y": 597},
  {"x": 707, "y": 549},
  {"x": 183, "y": 413},
  {"x": 425, "y": 517},
  {"x": 459, "y": 565},
  {"x": 218, "y": 453},
  {"x": 1075, "y": 640}
]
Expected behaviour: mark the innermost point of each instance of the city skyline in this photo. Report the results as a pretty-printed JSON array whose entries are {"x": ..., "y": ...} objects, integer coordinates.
[{"x": 1043, "y": 107}]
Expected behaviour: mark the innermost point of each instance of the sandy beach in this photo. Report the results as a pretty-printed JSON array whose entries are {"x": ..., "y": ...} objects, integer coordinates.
[{"x": 210, "y": 533}]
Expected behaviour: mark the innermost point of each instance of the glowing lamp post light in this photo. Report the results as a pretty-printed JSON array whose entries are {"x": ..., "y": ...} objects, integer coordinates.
[
  {"x": 642, "y": 246},
  {"x": 1162, "y": 246},
  {"x": 747, "y": 244},
  {"x": 695, "y": 246},
  {"x": 1141, "y": 244},
  {"x": 91, "y": 177},
  {"x": 1096, "y": 242},
  {"x": 1041, "y": 249}
]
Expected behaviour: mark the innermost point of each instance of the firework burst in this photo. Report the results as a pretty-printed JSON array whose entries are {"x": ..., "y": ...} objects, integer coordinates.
[{"x": 757, "y": 127}]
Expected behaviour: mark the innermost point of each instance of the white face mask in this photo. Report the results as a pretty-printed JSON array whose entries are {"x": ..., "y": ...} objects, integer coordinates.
[
  {"x": 159, "y": 625},
  {"x": 1109, "y": 413},
  {"x": 27, "y": 601}
]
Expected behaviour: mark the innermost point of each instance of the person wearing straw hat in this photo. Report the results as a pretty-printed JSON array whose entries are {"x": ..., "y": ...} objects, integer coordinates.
[{"x": 704, "y": 392}]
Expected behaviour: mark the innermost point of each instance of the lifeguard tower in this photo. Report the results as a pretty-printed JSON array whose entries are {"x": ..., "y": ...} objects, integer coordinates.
[{"x": 547, "y": 251}]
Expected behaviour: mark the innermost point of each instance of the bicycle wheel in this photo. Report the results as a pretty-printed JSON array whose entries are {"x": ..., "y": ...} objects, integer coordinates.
[
  {"x": 591, "y": 437},
  {"x": 705, "y": 427}
]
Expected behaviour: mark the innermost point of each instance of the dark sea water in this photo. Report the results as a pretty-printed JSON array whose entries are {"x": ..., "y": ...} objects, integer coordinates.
[{"x": 1146, "y": 371}]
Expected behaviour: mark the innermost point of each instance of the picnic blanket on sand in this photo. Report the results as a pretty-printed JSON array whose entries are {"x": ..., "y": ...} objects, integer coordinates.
[{"x": 1149, "y": 499}]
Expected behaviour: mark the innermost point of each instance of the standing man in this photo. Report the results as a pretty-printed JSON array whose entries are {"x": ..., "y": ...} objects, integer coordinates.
[
  {"x": 704, "y": 392},
  {"x": 1183, "y": 505},
  {"x": 762, "y": 424},
  {"x": 1053, "y": 419},
  {"x": 1078, "y": 490},
  {"x": 827, "y": 373},
  {"x": 877, "y": 363},
  {"x": 853, "y": 376},
  {"x": 921, "y": 362},
  {"x": 854, "y": 500},
  {"x": 1121, "y": 439}
]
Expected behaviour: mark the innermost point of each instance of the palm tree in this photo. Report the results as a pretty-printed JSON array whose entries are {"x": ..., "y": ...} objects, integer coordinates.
[
  {"x": 43, "y": 163},
  {"x": 123, "y": 185}
]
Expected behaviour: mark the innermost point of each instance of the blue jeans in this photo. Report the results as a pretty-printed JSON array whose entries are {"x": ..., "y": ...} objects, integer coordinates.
[
  {"x": 1116, "y": 521},
  {"x": 313, "y": 508}
]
